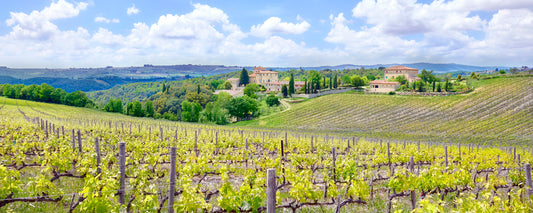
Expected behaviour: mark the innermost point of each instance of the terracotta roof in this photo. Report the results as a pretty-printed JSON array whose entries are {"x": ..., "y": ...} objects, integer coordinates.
[
  {"x": 383, "y": 82},
  {"x": 259, "y": 68},
  {"x": 286, "y": 83},
  {"x": 400, "y": 68},
  {"x": 265, "y": 72}
]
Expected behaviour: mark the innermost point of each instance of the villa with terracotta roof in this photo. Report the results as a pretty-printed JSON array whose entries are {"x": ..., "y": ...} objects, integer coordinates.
[
  {"x": 391, "y": 73},
  {"x": 261, "y": 75},
  {"x": 269, "y": 79}
]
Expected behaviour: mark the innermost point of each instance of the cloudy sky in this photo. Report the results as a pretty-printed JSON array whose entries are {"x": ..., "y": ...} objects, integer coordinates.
[{"x": 96, "y": 33}]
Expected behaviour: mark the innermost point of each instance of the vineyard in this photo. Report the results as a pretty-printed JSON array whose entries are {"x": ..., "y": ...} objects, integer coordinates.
[
  {"x": 57, "y": 158},
  {"x": 499, "y": 110}
]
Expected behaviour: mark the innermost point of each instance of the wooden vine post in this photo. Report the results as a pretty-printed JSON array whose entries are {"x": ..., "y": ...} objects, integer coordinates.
[
  {"x": 161, "y": 133},
  {"x": 282, "y": 161},
  {"x": 172, "y": 180},
  {"x": 388, "y": 156},
  {"x": 413, "y": 194},
  {"x": 312, "y": 148},
  {"x": 216, "y": 143},
  {"x": 79, "y": 142},
  {"x": 286, "y": 142},
  {"x": 271, "y": 191},
  {"x": 122, "y": 164},
  {"x": 529, "y": 185},
  {"x": 97, "y": 149},
  {"x": 333, "y": 158},
  {"x": 73, "y": 140}
]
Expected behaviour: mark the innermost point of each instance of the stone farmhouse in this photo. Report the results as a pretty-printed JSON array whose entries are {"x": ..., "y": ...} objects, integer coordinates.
[
  {"x": 269, "y": 79},
  {"x": 388, "y": 85}
]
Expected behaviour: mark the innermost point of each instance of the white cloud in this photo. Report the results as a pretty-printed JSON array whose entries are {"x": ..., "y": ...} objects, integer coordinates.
[
  {"x": 273, "y": 25},
  {"x": 444, "y": 30},
  {"x": 106, "y": 20},
  {"x": 369, "y": 45},
  {"x": 405, "y": 31},
  {"x": 401, "y": 17},
  {"x": 203, "y": 36},
  {"x": 104, "y": 36},
  {"x": 132, "y": 10},
  {"x": 37, "y": 25}
]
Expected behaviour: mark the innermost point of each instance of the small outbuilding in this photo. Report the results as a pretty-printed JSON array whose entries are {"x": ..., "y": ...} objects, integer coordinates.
[{"x": 383, "y": 86}]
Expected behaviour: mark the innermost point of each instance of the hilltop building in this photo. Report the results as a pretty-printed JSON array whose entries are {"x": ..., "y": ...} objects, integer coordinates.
[
  {"x": 391, "y": 73},
  {"x": 269, "y": 79},
  {"x": 261, "y": 75}
]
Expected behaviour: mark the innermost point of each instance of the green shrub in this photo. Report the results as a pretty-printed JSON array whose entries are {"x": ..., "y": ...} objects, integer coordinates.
[{"x": 272, "y": 100}]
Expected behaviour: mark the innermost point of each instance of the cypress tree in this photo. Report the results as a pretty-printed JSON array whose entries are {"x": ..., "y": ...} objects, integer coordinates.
[
  {"x": 433, "y": 86},
  {"x": 284, "y": 90},
  {"x": 198, "y": 91},
  {"x": 335, "y": 82},
  {"x": 330, "y": 82},
  {"x": 244, "y": 79},
  {"x": 291, "y": 85},
  {"x": 324, "y": 83},
  {"x": 438, "y": 88}
]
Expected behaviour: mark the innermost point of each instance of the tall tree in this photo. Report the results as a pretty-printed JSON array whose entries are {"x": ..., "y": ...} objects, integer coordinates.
[
  {"x": 357, "y": 81},
  {"x": 244, "y": 79},
  {"x": 330, "y": 82},
  {"x": 129, "y": 108},
  {"x": 335, "y": 84},
  {"x": 149, "y": 109},
  {"x": 118, "y": 106},
  {"x": 427, "y": 76},
  {"x": 137, "y": 109},
  {"x": 291, "y": 85},
  {"x": 284, "y": 90}
]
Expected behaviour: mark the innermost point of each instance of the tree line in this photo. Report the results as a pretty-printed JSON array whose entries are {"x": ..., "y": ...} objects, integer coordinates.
[{"x": 45, "y": 93}]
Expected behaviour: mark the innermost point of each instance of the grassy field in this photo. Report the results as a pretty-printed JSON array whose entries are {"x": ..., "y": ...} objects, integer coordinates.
[{"x": 499, "y": 110}]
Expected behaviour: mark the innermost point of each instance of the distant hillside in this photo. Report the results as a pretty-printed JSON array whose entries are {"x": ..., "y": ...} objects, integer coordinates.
[
  {"x": 83, "y": 84},
  {"x": 428, "y": 66},
  {"x": 142, "y": 90},
  {"x": 499, "y": 109},
  {"x": 91, "y": 79}
]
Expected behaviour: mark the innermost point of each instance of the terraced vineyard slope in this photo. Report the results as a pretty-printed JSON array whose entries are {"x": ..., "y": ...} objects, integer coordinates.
[{"x": 498, "y": 110}]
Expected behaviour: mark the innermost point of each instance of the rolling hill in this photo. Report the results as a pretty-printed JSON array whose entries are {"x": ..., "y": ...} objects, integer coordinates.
[{"x": 499, "y": 110}]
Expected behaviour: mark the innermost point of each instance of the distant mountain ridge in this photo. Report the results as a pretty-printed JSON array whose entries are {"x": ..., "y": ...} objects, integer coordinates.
[
  {"x": 439, "y": 68},
  {"x": 92, "y": 79}
]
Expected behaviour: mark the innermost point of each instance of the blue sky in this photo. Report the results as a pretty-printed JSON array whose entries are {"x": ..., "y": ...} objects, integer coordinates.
[{"x": 96, "y": 33}]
